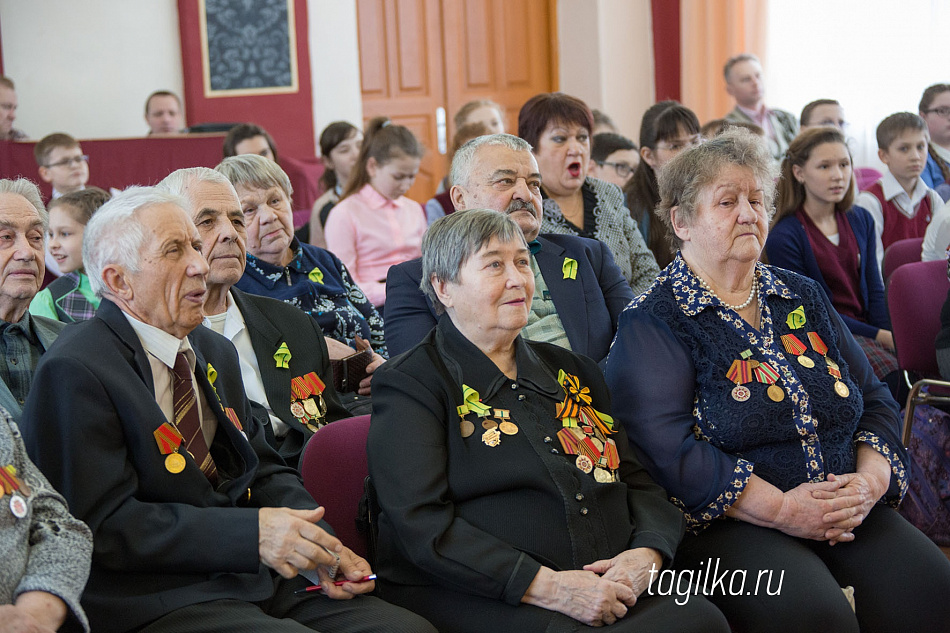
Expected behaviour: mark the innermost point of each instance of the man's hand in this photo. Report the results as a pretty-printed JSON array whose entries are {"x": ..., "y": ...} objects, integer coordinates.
[
  {"x": 364, "y": 389},
  {"x": 631, "y": 568},
  {"x": 288, "y": 540},
  {"x": 352, "y": 568}
]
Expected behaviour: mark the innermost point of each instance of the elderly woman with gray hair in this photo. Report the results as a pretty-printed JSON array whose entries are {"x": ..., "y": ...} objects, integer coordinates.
[
  {"x": 510, "y": 500},
  {"x": 747, "y": 398},
  {"x": 309, "y": 277}
]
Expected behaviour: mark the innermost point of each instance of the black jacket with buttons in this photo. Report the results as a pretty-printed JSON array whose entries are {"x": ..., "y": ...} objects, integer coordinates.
[{"x": 483, "y": 519}]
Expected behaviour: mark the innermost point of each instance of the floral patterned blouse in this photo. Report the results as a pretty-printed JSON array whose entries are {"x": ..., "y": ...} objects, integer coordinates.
[
  {"x": 702, "y": 428},
  {"x": 317, "y": 282}
]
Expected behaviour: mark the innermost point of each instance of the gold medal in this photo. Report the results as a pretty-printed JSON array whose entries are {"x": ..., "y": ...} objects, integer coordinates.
[
  {"x": 491, "y": 437},
  {"x": 842, "y": 389},
  {"x": 174, "y": 463},
  {"x": 489, "y": 424},
  {"x": 741, "y": 393},
  {"x": 311, "y": 407},
  {"x": 313, "y": 428},
  {"x": 602, "y": 476},
  {"x": 466, "y": 427},
  {"x": 804, "y": 361},
  {"x": 775, "y": 393},
  {"x": 832, "y": 363},
  {"x": 508, "y": 428},
  {"x": 584, "y": 464}
]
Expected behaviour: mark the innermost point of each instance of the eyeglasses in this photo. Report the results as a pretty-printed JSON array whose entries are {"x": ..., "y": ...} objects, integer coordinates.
[
  {"x": 623, "y": 169},
  {"x": 69, "y": 162},
  {"x": 943, "y": 111},
  {"x": 681, "y": 144}
]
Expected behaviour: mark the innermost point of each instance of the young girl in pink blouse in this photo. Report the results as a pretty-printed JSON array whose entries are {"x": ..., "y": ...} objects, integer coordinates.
[{"x": 375, "y": 226}]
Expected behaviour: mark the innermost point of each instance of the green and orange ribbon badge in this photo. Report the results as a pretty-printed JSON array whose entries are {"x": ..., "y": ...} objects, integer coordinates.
[
  {"x": 795, "y": 347},
  {"x": 569, "y": 268},
  {"x": 315, "y": 275},
  {"x": 585, "y": 431},
  {"x": 169, "y": 442},
  {"x": 819, "y": 346},
  {"x": 16, "y": 488},
  {"x": 308, "y": 405},
  {"x": 282, "y": 356}
]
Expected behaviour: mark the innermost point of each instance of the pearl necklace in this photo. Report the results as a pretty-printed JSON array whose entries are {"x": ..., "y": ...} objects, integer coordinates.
[{"x": 752, "y": 293}]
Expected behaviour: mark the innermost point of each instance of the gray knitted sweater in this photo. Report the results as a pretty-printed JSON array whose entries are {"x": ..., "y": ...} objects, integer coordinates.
[
  {"x": 615, "y": 228},
  {"x": 47, "y": 550}
]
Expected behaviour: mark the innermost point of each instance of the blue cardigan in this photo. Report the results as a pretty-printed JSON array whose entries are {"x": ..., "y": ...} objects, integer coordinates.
[{"x": 788, "y": 247}]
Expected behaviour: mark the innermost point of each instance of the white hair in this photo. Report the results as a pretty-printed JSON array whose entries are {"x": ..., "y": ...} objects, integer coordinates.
[
  {"x": 26, "y": 188},
  {"x": 179, "y": 181},
  {"x": 116, "y": 235},
  {"x": 464, "y": 158}
]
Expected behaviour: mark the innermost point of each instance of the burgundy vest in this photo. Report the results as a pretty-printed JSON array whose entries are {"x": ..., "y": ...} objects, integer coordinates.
[
  {"x": 898, "y": 226},
  {"x": 839, "y": 264}
]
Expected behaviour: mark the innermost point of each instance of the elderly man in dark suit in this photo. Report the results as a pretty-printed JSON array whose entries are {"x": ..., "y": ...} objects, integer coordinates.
[
  {"x": 23, "y": 337},
  {"x": 198, "y": 524},
  {"x": 579, "y": 290},
  {"x": 281, "y": 349}
]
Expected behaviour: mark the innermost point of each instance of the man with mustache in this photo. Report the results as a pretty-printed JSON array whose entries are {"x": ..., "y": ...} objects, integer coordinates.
[
  {"x": 197, "y": 523},
  {"x": 265, "y": 331},
  {"x": 23, "y": 337},
  {"x": 579, "y": 290}
]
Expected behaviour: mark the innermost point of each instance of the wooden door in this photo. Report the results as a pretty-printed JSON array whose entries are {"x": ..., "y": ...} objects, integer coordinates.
[
  {"x": 499, "y": 49},
  {"x": 402, "y": 76},
  {"x": 419, "y": 55}
]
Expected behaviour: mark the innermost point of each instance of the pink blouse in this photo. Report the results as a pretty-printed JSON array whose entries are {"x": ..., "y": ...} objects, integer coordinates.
[{"x": 370, "y": 233}]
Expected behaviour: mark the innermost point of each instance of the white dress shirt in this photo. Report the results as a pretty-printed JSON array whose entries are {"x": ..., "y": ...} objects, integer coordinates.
[
  {"x": 230, "y": 324},
  {"x": 162, "y": 349},
  {"x": 906, "y": 204}
]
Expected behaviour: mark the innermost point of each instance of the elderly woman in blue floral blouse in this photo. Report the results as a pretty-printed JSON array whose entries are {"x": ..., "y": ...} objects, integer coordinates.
[
  {"x": 748, "y": 400},
  {"x": 309, "y": 277}
]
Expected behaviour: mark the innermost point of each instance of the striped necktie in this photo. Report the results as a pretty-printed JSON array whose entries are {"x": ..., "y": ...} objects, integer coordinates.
[{"x": 186, "y": 417}]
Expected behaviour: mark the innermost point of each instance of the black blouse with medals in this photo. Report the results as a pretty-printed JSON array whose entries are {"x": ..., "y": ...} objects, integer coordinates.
[{"x": 479, "y": 518}]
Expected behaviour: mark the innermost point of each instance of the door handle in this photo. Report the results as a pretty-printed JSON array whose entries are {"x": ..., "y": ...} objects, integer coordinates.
[{"x": 441, "y": 131}]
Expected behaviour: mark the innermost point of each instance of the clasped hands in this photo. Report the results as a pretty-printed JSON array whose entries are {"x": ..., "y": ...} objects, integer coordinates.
[
  {"x": 829, "y": 510},
  {"x": 601, "y": 593},
  {"x": 289, "y": 541}
]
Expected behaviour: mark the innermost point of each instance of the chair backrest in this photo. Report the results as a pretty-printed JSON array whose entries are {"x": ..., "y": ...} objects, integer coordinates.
[
  {"x": 915, "y": 294},
  {"x": 899, "y": 253},
  {"x": 334, "y": 467}
]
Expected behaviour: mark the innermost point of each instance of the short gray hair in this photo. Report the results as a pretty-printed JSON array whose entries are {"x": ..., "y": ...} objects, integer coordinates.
[
  {"x": 116, "y": 235},
  {"x": 25, "y": 188},
  {"x": 251, "y": 170},
  {"x": 735, "y": 59},
  {"x": 179, "y": 181},
  {"x": 454, "y": 238},
  {"x": 464, "y": 158},
  {"x": 683, "y": 179}
]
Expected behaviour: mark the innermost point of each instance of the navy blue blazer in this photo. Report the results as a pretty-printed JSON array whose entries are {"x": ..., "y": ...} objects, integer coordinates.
[
  {"x": 588, "y": 305},
  {"x": 788, "y": 247},
  {"x": 162, "y": 541}
]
